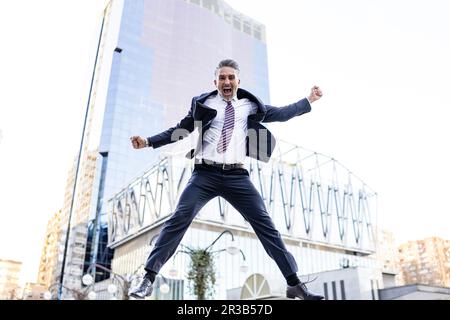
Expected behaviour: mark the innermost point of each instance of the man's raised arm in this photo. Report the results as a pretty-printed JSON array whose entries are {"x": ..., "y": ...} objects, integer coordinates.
[
  {"x": 298, "y": 108},
  {"x": 182, "y": 129}
]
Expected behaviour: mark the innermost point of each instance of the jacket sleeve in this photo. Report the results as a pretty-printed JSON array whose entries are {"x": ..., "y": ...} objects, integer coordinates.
[
  {"x": 178, "y": 132},
  {"x": 282, "y": 114}
]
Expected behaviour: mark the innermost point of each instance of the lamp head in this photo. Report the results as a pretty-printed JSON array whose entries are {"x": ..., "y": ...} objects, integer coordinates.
[
  {"x": 92, "y": 295},
  {"x": 87, "y": 279},
  {"x": 164, "y": 288},
  {"x": 232, "y": 250},
  {"x": 112, "y": 288}
]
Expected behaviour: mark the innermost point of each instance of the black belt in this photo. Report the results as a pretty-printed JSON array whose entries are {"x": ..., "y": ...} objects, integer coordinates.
[{"x": 223, "y": 166}]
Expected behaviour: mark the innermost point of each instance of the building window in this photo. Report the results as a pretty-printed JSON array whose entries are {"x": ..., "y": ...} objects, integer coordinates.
[
  {"x": 176, "y": 289},
  {"x": 333, "y": 288},
  {"x": 247, "y": 28},
  {"x": 237, "y": 22},
  {"x": 325, "y": 290},
  {"x": 372, "y": 289},
  {"x": 343, "y": 290},
  {"x": 206, "y": 4},
  {"x": 227, "y": 17},
  {"x": 377, "y": 286},
  {"x": 257, "y": 33}
]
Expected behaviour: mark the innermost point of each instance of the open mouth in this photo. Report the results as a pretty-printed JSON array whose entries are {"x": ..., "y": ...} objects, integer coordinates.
[{"x": 227, "y": 91}]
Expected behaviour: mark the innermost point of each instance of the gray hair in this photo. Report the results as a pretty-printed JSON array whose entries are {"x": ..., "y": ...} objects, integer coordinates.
[{"x": 227, "y": 63}]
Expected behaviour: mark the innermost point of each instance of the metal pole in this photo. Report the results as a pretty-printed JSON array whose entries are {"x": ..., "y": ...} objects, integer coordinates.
[
  {"x": 61, "y": 279},
  {"x": 225, "y": 231}
]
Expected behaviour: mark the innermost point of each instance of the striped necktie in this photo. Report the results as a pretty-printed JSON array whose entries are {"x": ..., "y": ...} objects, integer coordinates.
[{"x": 227, "y": 130}]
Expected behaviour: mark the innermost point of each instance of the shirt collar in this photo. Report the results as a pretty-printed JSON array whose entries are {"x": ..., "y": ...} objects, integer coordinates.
[{"x": 234, "y": 99}]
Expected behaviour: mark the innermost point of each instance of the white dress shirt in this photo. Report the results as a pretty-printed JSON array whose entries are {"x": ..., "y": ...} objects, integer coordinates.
[{"x": 236, "y": 150}]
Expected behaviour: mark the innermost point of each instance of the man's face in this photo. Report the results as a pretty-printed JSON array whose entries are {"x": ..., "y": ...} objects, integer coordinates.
[{"x": 227, "y": 82}]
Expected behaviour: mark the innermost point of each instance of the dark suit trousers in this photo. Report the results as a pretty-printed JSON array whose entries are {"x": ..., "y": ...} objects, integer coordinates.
[{"x": 234, "y": 186}]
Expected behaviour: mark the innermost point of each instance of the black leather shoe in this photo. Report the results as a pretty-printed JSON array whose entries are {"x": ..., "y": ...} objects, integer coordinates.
[
  {"x": 300, "y": 291},
  {"x": 143, "y": 289}
]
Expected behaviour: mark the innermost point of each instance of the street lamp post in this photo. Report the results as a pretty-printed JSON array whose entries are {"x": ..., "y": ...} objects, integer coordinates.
[
  {"x": 124, "y": 281},
  {"x": 202, "y": 273},
  {"x": 244, "y": 266},
  {"x": 80, "y": 152},
  {"x": 230, "y": 249},
  {"x": 77, "y": 294}
]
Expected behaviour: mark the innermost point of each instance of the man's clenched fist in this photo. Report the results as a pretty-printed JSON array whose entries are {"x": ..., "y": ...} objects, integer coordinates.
[
  {"x": 138, "y": 142},
  {"x": 316, "y": 94}
]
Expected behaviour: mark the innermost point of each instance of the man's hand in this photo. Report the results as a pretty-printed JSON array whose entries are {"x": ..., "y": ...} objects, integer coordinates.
[
  {"x": 138, "y": 142},
  {"x": 315, "y": 94}
]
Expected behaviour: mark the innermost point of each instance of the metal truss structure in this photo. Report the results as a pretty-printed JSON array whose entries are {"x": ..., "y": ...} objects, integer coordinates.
[{"x": 310, "y": 197}]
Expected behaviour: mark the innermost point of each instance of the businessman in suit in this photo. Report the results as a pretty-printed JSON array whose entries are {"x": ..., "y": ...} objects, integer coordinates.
[{"x": 229, "y": 122}]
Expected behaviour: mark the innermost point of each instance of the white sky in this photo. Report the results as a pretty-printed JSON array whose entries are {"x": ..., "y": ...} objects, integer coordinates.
[{"x": 383, "y": 66}]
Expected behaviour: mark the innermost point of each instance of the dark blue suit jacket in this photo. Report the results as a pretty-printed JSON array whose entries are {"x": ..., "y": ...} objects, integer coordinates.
[{"x": 260, "y": 141}]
